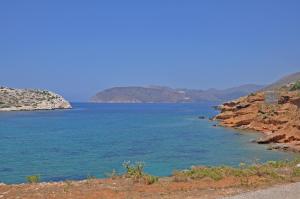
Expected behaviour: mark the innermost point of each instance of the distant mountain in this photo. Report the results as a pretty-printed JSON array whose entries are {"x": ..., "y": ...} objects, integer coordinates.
[
  {"x": 159, "y": 94},
  {"x": 285, "y": 81},
  {"x": 138, "y": 95}
]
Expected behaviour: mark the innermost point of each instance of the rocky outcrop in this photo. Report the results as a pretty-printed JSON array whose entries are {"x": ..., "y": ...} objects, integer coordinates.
[
  {"x": 279, "y": 120},
  {"x": 28, "y": 99}
]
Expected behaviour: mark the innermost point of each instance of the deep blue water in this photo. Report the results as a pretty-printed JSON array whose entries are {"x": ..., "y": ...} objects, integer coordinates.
[{"x": 93, "y": 139}]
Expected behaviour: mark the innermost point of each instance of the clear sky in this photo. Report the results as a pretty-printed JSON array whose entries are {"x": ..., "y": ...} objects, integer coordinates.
[{"x": 77, "y": 48}]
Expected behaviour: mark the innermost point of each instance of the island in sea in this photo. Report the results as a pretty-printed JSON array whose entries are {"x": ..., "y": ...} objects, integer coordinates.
[
  {"x": 12, "y": 99},
  {"x": 161, "y": 94}
]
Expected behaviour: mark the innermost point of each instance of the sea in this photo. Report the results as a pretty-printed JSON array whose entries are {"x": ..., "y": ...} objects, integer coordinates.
[{"x": 95, "y": 139}]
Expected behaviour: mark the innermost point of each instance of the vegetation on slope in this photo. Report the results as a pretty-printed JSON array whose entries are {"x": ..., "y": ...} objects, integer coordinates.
[
  {"x": 295, "y": 86},
  {"x": 292, "y": 78}
]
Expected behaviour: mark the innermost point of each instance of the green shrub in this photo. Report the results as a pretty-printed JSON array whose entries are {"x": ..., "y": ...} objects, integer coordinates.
[
  {"x": 296, "y": 86},
  {"x": 275, "y": 170},
  {"x": 33, "y": 179},
  {"x": 68, "y": 185},
  {"x": 134, "y": 170},
  {"x": 179, "y": 176},
  {"x": 296, "y": 172},
  {"x": 277, "y": 164},
  {"x": 215, "y": 173},
  {"x": 150, "y": 179}
]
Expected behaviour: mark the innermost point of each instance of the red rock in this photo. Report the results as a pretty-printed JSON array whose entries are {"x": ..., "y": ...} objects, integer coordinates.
[{"x": 281, "y": 121}]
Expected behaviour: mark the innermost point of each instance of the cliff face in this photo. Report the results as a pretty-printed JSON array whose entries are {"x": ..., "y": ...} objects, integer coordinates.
[
  {"x": 275, "y": 113},
  {"x": 27, "y": 99}
]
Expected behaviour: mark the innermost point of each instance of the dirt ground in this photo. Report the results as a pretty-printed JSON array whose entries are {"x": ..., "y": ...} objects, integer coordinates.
[{"x": 124, "y": 188}]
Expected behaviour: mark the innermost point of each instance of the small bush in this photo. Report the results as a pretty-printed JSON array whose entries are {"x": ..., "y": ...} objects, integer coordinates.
[
  {"x": 277, "y": 164},
  {"x": 33, "y": 179},
  {"x": 296, "y": 172},
  {"x": 179, "y": 176},
  {"x": 215, "y": 173},
  {"x": 273, "y": 170},
  {"x": 68, "y": 185},
  {"x": 149, "y": 179},
  {"x": 296, "y": 86},
  {"x": 134, "y": 170}
]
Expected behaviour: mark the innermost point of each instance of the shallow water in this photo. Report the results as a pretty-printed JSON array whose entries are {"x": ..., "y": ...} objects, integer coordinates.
[{"x": 93, "y": 139}]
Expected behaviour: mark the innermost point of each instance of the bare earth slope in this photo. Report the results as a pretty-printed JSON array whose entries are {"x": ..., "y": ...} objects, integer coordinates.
[{"x": 28, "y": 99}]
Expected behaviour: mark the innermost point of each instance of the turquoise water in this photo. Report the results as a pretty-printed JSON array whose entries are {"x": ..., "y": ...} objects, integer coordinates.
[{"x": 93, "y": 139}]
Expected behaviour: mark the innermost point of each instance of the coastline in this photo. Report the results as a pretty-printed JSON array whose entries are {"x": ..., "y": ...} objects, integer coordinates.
[
  {"x": 34, "y": 109},
  {"x": 196, "y": 182},
  {"x": 44, "y": 107}
]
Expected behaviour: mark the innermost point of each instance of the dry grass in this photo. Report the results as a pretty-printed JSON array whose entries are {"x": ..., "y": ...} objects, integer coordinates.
[{"x": 272, "y": 170}]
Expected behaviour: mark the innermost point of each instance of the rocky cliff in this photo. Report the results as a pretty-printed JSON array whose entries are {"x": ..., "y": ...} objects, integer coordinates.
[
  {"x": 276, "y": 113},
  {"x": 28, "y": 99}
]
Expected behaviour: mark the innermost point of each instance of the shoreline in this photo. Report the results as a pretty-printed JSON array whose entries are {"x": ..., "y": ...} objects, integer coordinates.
[
  {"x": 283, "y": 147},
  {"x": 33, "y": 109}
]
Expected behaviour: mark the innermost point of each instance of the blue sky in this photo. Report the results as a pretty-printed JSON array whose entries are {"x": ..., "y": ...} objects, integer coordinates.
[{"x": 77, "y": 48}]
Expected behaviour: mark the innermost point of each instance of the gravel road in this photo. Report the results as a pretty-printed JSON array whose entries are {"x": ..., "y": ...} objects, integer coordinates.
[{"x": 289, "y": 191}]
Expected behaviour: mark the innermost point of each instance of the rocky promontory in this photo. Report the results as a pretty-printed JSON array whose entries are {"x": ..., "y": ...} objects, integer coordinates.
[
  {"x": 276, "y": 113},
  {"x": 12, "y": 99}
]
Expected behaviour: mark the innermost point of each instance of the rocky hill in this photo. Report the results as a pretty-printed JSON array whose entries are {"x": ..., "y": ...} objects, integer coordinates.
[
  {"x": 28, "y": 99},
  {"x": 275, "y": 112},
  {"x": 283, "y": 82},
  {"x": 158, "y": 94}
]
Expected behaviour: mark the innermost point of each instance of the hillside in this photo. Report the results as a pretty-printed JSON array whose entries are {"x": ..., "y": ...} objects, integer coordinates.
[
  {"x": 139, "y": 95},
  {"x": 275, "y": 111},
  {"x": 283, "y": 81},
  {"x": 28, "y": 99},
  {"x": 158, "y": 94}
]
